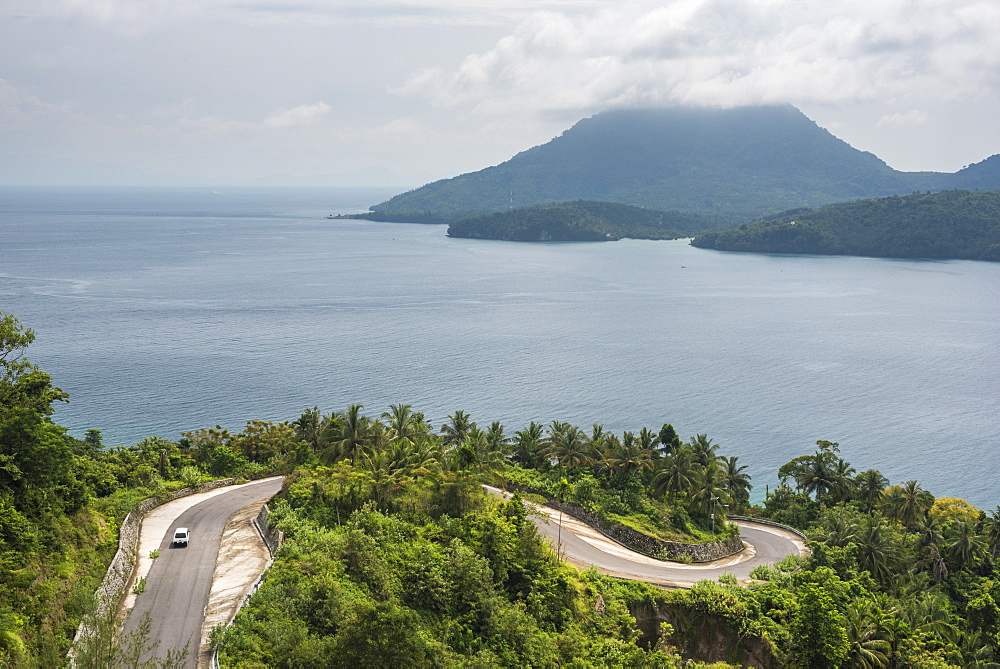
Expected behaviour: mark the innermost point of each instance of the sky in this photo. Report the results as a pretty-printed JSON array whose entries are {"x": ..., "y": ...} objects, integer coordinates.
[{"x": 403, "y": 92}]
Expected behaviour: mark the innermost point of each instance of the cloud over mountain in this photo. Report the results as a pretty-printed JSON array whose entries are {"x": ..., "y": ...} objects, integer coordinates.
[{"x": 728, "y": 52}]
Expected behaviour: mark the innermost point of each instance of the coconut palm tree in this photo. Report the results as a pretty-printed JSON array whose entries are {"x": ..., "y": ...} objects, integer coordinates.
[
  {"x": 487, "y": 448},
  {"x": 496, "y": 441},
  {"x": 353, "y": 431},
  {"x": 404, "y": 424},
  {"x": 930, "y": 538},
  {"x": 567, "y": 445},
  {"x": 632, "y": 457},
  {"x": 931, "y": 561},
  {"x": 843, "y": 484},
  {"x": 840, "y": 525},
  {"x": 895, "y": 630},
  {"x": 877, "y": 552},
  {"x": 977, "y": 651},
  {"x": 703, "y": 449},
  {"x": 930, "y": 532},
  {"x": 598, "y": 436},
  {"x": 863, "y": 623},
  {"x": 456, "y": 430},
  {"x": 309, "y": 428},
  {"x": 605, "y": 465},
  {"x": 677, "y": 474},
  {"x": 820, "y": 476},
  {"x": 736, "y": 481},
  {"x": 965, "y": 546},
  {"x": 869, "y": 486},
  {"x": 709, "y": 496},
  {"x": 930, "y": 612},
  {"x": 528, "y": 446},
  {"x": 649, "y": 440},
  {"x": 390, "y": 470},
  {"x": 599, "y": 443},
  {"x": 991, "y": 532},
  {"x": 463, "y": 457},
  {"x": 907, "y": 504}
]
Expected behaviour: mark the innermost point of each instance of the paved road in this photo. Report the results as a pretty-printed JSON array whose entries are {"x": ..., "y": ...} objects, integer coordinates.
[
  {"x": 583, "y": 546},
  {"x": 180, "y": 579}
]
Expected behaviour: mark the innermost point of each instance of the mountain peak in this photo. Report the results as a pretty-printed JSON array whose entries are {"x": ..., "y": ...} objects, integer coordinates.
[{"x": 729, "y": 164}]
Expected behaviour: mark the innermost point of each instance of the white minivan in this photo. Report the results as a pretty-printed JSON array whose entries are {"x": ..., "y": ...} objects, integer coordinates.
[{"x": 181, "y": 535}]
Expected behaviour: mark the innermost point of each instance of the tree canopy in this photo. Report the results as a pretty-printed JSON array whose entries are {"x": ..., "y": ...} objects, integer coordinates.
[
  {"x": 948, "y": 225},
  {"x": 578, "y": 221}
]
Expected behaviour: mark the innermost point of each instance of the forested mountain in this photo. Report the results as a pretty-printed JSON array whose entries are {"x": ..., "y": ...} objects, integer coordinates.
[
  {"x": 579, "y": 221},
  {"x": 728, "y": 164},
  {"x": 952, "y": 224}
]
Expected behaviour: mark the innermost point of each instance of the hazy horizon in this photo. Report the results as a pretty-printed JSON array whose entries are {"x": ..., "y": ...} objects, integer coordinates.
[{"x": 113, "y": 92}]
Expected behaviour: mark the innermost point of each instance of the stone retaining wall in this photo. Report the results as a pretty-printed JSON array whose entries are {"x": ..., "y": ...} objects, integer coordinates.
[{"x": 643, "y": 543}]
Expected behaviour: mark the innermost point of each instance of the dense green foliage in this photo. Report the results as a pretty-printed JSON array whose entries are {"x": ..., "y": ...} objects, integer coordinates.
[
  {"x": 952, "y": 224},
  {"x": 422, "y": 587},
  {"x": 896, "y": 579},
  {"x": 394, "y": 553},
  {"x": 907, "y": 580},
  {"x": 62, "y": 500},
  {"x": 728, "y": 165},
  {"x": 651, "y": 482},
  {"x": 395, "y": 556},
  {"x": 578, "y": 221}
]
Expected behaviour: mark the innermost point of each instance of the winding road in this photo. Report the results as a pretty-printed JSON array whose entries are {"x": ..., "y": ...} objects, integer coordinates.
[
  {"x": 582, "y": 546},
  {"x": 179, "y": 581}
]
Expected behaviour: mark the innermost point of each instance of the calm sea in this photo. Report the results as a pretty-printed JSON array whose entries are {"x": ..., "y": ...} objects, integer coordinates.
[{"x": 162, "y": 311}]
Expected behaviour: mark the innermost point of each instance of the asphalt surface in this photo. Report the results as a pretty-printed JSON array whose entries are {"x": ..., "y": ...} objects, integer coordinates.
[
  {"x": 179, "y": 581},
  {"x": 582, "y": 546}
]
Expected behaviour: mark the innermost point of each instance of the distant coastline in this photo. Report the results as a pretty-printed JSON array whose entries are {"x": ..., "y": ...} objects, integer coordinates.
[{"x": 950, "y": 225}]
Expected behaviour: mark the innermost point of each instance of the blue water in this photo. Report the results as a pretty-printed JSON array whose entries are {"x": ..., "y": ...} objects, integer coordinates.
[{"x": 163, "y": 311}]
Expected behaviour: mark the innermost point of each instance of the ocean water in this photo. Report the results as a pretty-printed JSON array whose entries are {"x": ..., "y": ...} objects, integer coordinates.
[{"x": 163, "y": 311}]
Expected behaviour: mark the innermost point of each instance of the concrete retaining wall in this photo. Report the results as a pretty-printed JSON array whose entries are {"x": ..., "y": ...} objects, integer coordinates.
[
  {"x": 272, "y": 537},
  {"x": 643, "y": 543},
  {"x": 122, "y": 567}
]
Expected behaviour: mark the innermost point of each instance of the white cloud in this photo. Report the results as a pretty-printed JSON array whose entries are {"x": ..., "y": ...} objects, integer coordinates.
[
  {"x": 725, "y": 53},
  {"x": 183, "y": 109},
  {"x": 137, "y": 18},
  {"x": 18, "y": 109},
  {"x": 912, "y": 117},
  {"x": 301, "y": 115},
  {"x": 185, "y": 118}
]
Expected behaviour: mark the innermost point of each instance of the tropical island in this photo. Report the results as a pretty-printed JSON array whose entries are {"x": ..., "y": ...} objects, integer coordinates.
[
  {"x": 764, "y": 179},
  {"x": 727, "y": 165},
  {"x": 395, "y": 555},
  {"x": 579, "y": 221},
  {"x": 954, "y": 224}
]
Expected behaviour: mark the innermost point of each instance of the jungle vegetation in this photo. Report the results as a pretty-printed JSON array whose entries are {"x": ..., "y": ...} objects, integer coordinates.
[
  {"x": 953, "y": 224},
  {"x": 579, "y": 221},
  {"x": 394, "y": 554}
]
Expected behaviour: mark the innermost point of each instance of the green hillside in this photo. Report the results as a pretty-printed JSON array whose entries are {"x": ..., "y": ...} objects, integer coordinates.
[
  {"x": 579, "y": 221},
  {"x": 394, "y": 555},
  {"x": 952, "y": 224},
  {"x": 730, "y": 165}
]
